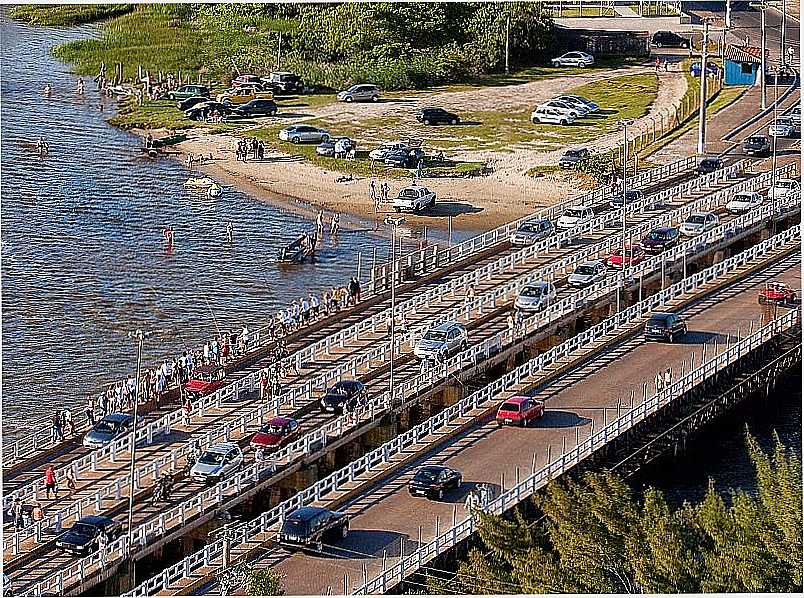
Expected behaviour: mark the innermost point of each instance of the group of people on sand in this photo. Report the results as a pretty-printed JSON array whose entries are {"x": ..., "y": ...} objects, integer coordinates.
[{"x": 254, "y": 148}]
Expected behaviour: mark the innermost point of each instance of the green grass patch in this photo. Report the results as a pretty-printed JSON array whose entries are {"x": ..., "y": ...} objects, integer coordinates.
[
  {"x": 161, "y": 114},
  {"x": 63, "y": 15}
]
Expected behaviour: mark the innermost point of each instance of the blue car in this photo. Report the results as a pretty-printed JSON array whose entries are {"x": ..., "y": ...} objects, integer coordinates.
[
  {"x": 711, "y": 68},
  {"x": 110, "y": 428}
]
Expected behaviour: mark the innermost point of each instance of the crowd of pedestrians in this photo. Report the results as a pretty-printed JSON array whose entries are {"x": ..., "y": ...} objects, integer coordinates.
[{"x": 253, "y": 148}]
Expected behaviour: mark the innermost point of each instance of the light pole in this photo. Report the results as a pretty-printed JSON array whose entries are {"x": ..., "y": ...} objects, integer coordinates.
[
  {"x": 393, "y": 222},
  {"x": 784, "y": 27},
  {"x": 624, "y": 125},
  {"x": 775, "y": 137},
  {"x": 702, "y": 108},
  {"x": 762, "y": 6}
]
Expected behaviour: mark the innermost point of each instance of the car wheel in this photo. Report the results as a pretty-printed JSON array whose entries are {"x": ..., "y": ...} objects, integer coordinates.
[
  {"x": 454, "y": 121},
  {"x": 458, "y": 483},
  {"x": 427, "y": 121},
  {"x": 440, "y": 494},
  {"x": 658, "y": 44},
  {"x": 171, "y": 96},
  {"x": 296, "y": 140},
  {"x": 556, "y": 64},
  {"x": 398, "y": 210},
  {"x": 564, "y": 122},
  {"x": 523, "y": 423},
  {"x": 536, "y": 121},
  {"x": 417, "y": 207},
  {"x": 272, "y": 113},
  {"x": 319, "y": 546},
  {"x": 761, "y": 300},
  {"x": 375, "y": 98},
  {"x": 433, "y": 202},
  {"x": 349, "y": 99},
  {"x": 345, "y": 530},
  {"x": 324, "y": 138}
]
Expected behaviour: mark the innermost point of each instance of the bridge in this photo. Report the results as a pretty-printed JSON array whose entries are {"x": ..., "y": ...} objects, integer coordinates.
[{"x": 351, "y": 460}]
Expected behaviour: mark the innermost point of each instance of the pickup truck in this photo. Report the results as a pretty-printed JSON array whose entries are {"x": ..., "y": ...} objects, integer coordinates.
[
  {"x": 241, "y": 95},
  {"x": 414, "y": 199}
]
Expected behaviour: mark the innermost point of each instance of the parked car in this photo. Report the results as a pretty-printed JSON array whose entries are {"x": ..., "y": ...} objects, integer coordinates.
[
  {"x": 698, "y": 223},
  {"x": 246, "y": 79},
  {"x": 188, "y": 103},
  {"x": 258, "y": 107},
  {"x": 744, "y": 201},
  {"x": 218, "y": 462},
  {"x": 435, "y": 116},
  {"x": 205, "y": 380},
  {"x": 550, "y": 116},
  {"x": 345, "y": 392},
  {"x": 360, "y": 93},
  {"x": 442, "y": 341},
  {"x": 708, "y": 165},
  {"x": 782, "y": 188},
  {"x": 669, "y": 39},
  {"x": 276, "y": 433},
  {"x": 310, "y": 526},
  {"x": 581, "y": 102},
  {"x": 575, "y": 216},
  {"x": 587, "y": 273},
  {"x": 337, "y": 145},
  {"x": 111, "y": 427},
  {"x": 634, "y": 254},
  {"x": 303, "y": 134},
  {"x": 433, "y": 481},
  {"x": 757, "y": 145},
  {"x": 777, "y": 292},
  {"x": 520, "y": 411},
  {"x": 404, "y": 158},
  {"x": 579, "y": 59},
  {"x": 243, "y": 94},
  {"x": 665, "y": 327},
  {"x": 565, "y": 108},
  {"x": 795, "y": 114},
  {"x": 573, "y": 157},
  {"x": 284, "y": 82},
  {"x": 380, "y": 153},
  {"x": 532, "y": 231},
  {"x": 188, "y": 91},
  {"x": 202, "y": 109},
  {"x": 82, "y": 538},
  {"x": 660, "y": 239},
  {"x": 711, "y": 68},
  {"x": 414, "y": 199},
  {"x": 782, "y": 127},
  {"x": 631, "y": 196},
  {"x": 535, "y": 296}
]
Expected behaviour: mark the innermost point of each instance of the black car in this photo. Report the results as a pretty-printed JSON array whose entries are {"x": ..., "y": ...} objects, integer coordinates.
[
  {"x": 573, "y": 157},
  {"x": 631, "y": 196},
  {"x": 190, "y": 102},
  {"x": 708, "y": 165},
  {"x": 433, "y": 480},
  {"x": 256, "y": 107},
  {"x": 757, "y": 145},
  {"x": 668, "y": 39},
  {"x": 284, "y": 82},
  {"x": 309, "y": 526},
  {"x": 345, "y": 392},
  {"x": 665, "y": 327},
  {"x": 404, "y": 158},
  {"x": 202, "y": 109},
  {"x": 434, "y": 116},
  {"x": 82, "y": 537},
  {"x": 660, "y": 239}
]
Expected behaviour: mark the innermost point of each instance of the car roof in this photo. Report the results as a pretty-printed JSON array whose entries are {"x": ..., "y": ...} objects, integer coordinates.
[
  {"x": 535, "y": 221},
  {"x": 118, "y": 417},
  {"x": 700, "y": 214},
  {"x": 517, "y": 400},
  {"x": 307, "y": 513},
  {"x": 222, "y": 447},
  {"x": 96, "y": 520},
  {"x": 662, "y": 315},
  {"x": 663, "y": 229},
  {"x": 434, "y": 468},
  {"x": 446, "y": 326},
  {"x": 207, "y": 368},
  {"x": 592, "y": 263},
  {"x": 539, "y": 283},
  {"x": 280, "y": 421},
  {"x": 579, "y": 208}
]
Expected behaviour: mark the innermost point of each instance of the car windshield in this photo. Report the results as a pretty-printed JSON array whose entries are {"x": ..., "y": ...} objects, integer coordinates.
[
  {"x": 510, "y": 407},
  {"x": 784, "y": 184},
  {"x": 658, "y": 321},
  {"x": 696, "y": 219},
  {"x": 574, "y": 153},
  {"x": 574, "y": 213},
  {"x": 756, "y": 140},
  {"x": 532, "y": 291},
  {"x": 530, "y": 227},
  {"x": 409, "y": 193},
  {"x": 425, "y": 475},
  {"x": 84, "y": 529},
  {"x": 435, "y": 335},
  {"x": 294, "y": 527},
  {"x": 105, "y": 427},
  {"x": 585, "y": 270},
  {"x": 340, "y": 389},
  {"x": 658, "y": 236},
  {"x": 273, "y": 429},
  {"x": 211, "y": 459}
]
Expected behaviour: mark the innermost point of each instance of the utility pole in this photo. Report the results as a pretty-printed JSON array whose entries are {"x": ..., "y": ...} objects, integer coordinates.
[
  {"x": 507, "y": 40},
  {"x": 702, "y": 108},
  {"x": 763, "y": 90},
  {"x": 784, "y": 26},
  {"x": 775, "y": 137},
  {"x": 728, "y": 14},
  {"x": 624, "y": 124},
  {"x": 393, "y": 222}
]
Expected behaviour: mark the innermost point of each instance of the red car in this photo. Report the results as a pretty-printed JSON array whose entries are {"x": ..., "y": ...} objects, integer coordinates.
[
  {"x": 205, "y": 380},
  {"x": 634, "y": 254},
  {"x": 520, "y": 411},
  {"x": 776, "y": 292},
  {"x": 278, "y": 432}
]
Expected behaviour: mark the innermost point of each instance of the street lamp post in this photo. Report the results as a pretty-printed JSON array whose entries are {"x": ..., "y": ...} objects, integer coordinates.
[
  {"x": 775, "y": 137},
  {"x": 393, "y": 222},
  {"x": 624, "y": 125},
  {"x": 762, "y": 6},
  {"x": 702, "y": 108}
]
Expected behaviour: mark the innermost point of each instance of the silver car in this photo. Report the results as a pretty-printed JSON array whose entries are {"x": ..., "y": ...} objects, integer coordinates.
[
  {"x": 587, "y": 273},
  {"x": 303, "y": 134},
  {"x": 535, "y": 296},
  {"x": 580, "y": 59},
  {"x": 532, "y": 231},
  {"x": 360, "y": 93},
  {"x": 441, "y": 341},
  {"x": 699, "y": 222},
  {"x": 218, "y": 462}
]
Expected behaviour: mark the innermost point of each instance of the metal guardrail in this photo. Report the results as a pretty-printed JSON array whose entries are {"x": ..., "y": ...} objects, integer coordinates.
[
  {"x": 271, "y": 519},
  {"x": 408, "y": 564}
]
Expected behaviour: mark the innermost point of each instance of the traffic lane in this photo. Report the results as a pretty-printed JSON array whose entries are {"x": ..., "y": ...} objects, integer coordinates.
[
  {"x": 387, "y": 515},
  {"x": 749, "y": 23}
]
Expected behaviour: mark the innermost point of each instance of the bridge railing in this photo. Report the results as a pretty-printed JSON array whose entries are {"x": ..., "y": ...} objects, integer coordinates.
[
  {"x": 408, "y": 564},
  {"x": 271, "y": 519}
]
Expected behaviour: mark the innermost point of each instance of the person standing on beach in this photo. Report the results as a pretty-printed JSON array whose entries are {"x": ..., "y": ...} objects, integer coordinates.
[
  {"x": 260, "y": 150},
  {"x": 373, "y": 191}
]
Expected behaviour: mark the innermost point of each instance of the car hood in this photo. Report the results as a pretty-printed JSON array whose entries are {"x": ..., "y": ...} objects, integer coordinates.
[
  {"x": 580, "y": 277},
  {"x": 526, "y": 300},
  {"x": 425, "y": 344},
  {"x": 204, "y": 469},
  {"x": 740, "y": 203},
  {"x": 97, "y": 436},
  {"x": 569, "y": 220},
  {"x": 653, "y": 242},
  {"x": 74, "y": 539},
  {"x": 266, "y": 439},
  {"x": 197, "y": 385},
  {"x": 570, "y": 159},
  {"x": 333, "y": 399},
  {"x": 692, "y": 226}
]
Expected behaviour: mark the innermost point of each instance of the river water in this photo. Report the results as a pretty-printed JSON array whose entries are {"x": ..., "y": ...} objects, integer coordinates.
[{"x": 83, "y": 258}]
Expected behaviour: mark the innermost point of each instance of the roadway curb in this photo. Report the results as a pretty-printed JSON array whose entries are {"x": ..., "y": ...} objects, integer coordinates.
[{"x": 793, "y": 86}]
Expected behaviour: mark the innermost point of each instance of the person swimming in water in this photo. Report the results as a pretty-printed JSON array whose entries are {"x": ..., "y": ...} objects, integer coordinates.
[
  {"x": 48, "y": 89},
  {"x": 168, "y": 234},
  {"x": 80, "y": 88},
  {"x": 335, "y": 225},
  {"x": 229, "y": 233}
]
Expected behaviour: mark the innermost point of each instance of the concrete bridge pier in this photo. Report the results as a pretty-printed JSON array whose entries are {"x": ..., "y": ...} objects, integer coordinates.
[{"x": 721, "y": 255}]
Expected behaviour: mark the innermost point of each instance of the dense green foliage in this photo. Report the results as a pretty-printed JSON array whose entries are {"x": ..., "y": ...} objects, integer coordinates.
[
  {"x": 55, "y": 15},
  {"x": 264, "y": 582},
  {"x": 597, "y": 537}
]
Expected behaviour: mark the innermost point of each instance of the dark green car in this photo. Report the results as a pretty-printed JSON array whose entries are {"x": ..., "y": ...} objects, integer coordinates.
[{"x": 188, "y": 91}]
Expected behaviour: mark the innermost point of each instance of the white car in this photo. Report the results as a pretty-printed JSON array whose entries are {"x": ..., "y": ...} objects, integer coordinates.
[
  {"x": 441, "y": 341},
  {"x": 580, "y": 59},
  {"x": 583, "y": 105},
  {"x": 380, "y": 153},
  {"x": 550, "y": 116},
  {"x": 795, "y": 114},
  {"x": 565, "y": 108},
  {"x": 532, "y": 231},
  {"x": 303, "y": 133},
  {"x": 699, "y": 222},
  {"x": 743, "y": 202},
  {"x": 414, "y": 199},
  {"x": 783, "y": 188},
  {"x": 587, "y": 273},
  {"x": 782, "y": 127},
  {"x": 218, "y": 462},
  {"x": 575, "y": 216},
  {"x": 535, "y": 296}
]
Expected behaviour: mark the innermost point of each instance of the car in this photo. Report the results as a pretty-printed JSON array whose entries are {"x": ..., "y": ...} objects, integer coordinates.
[
  {"x": 188, "y": 91},
  {"x": 669, "y": 39},
  {"x": 433, "y": 481},
  {"x": 587, "y": 273},
  {"x": 303, "y": 134},
  {"x": 711, "y": 68},
  {"x": 776, "y": 292},
  {"x": 188, "y": 103},
  {"x": 335, "y": 145},
  {"x": 698, "y": 223},
  {"x": 82, "y": 538},
  {"x": 573, "y": 157},
  {"x": 708, "y": 165},
  {"x": 580, "y": 102},
  {"x": 782, "y": 127},
  {"x": 634, "y": 254},
  {"x": 241, "y": 95},
  {"x": 660, "y": 239},
  {"x": 520, "y": 411},
  {"x": 550, "y": 116},
  {"x": 757, "y": 145},
  {"x": 309, "y": 526},
  {"x": 203, "y": 109},
  {"x": 579, "y": 59},
  {"x": 276, "y": 433},
  {"x": 441, "y": 341},
  {"x": 241, "y": 80},
  {"x": 631, "y": 196},
  {"x": 404, "y": 158},
  {"x": 665, "y": 326},
  {"x": 205, "y": 379},
  {"x": 535, "y": 296},
  {"x": 795, "y": 114},
  {"x": 284, "y": 82},
  {"x": 532, "y": 231},
  {"x": 216, "y": 463},
  {"x": 575, "y": 216},
  {"x": 434, "y": 116},
  {"x": 380, "y": 153},
  {"x": 345, "y": 392},
  {"x": 111, "y": 427},
  {"x": 257, "y": 107},
  {"x": 744, "y": 201},
  {"x": 359, "y": 93},
  {"x": 414, "y": 199},
  {"x": 782, "y": 188},
  {"x": 564, "y": 108}
]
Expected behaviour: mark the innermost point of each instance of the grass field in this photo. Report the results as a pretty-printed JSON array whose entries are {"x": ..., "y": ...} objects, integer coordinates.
[{"x": 63, "y": 15}]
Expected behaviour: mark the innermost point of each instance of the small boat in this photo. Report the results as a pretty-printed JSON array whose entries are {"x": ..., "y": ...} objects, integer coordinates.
[
  {"x": 214, "y": 190},
  {"x": 299, "y": 251},
  {"x": 199, "y": 182}
]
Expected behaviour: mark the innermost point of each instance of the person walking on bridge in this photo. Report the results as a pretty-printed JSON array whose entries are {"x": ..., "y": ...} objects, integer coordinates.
[
  {"x": 50, "y": 482},
  {"x": 57, "y": 435}
]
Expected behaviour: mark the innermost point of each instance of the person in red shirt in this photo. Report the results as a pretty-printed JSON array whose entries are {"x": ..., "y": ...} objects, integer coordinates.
[{"x": 50, "y": 482}]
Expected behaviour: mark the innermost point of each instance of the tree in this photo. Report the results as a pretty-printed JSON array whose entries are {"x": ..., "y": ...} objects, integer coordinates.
[{"x": 264, "y": 582}]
